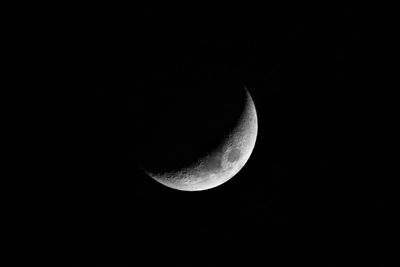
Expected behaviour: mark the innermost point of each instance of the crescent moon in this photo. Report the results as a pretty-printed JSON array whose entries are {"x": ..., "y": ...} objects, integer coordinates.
[{"x": 221, "y": 164}]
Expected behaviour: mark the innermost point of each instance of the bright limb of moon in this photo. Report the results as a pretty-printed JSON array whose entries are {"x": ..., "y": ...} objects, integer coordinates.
[{"x": 222, "y": 163}]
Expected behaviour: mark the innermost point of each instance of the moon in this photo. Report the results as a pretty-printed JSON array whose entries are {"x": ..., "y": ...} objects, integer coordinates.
[{"x": 221, "y": 163}]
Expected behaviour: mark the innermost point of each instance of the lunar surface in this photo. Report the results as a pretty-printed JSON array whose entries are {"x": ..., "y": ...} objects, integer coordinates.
[{"x": 220, "y": 164}]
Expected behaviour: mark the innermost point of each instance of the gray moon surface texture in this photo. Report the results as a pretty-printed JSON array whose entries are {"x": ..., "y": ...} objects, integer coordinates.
[{"x": 220, "y": 164}]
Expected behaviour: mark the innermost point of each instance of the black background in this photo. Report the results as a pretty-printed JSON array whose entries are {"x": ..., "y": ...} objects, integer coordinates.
[{"x": 87, "y": 85}]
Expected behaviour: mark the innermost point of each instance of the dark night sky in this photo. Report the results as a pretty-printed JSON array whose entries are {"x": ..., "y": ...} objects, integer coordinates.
[{"x": 87, "y": 94}]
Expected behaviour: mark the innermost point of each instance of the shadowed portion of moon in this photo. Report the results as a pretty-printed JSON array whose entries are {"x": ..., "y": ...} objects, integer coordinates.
[{"x": 202, "y": 138}]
